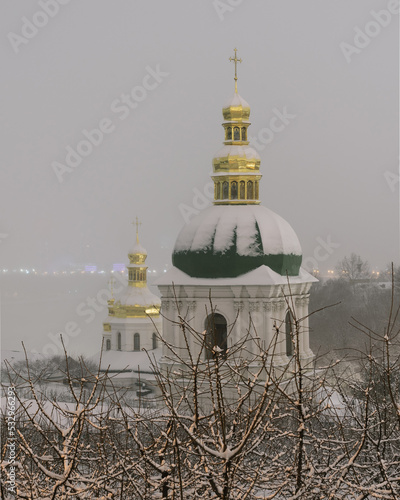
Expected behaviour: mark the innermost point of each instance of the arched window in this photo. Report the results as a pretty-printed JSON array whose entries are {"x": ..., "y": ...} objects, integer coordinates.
[
  {"x": 250, "y": 194},
  {"x": 225, "y": 190},
  {"x": 244, "y": 135},
  {"x": 154, "y": 340},
  {"x": 108, "y": 345},
  {"x": 256, "y": 189},
  {"x": 136, "y": 342},
  {"x": 234, "y": 191},
  {"x": 229, "y": 134},
  {"x": 119, "y": 343},
  {"x": 216, "y": 328},
  {"x": 236, "y": 134},
  {"x": 218, "y": 191},
  {"x": 242, "y": 194},
  {"x": 289, "y": 334}
]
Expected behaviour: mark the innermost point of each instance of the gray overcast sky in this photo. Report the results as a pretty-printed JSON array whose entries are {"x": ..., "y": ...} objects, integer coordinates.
[{"x": 331, "y": 172}]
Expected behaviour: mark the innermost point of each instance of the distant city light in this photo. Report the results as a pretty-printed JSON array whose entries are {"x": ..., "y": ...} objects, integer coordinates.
[
  {"x": 119, "y": 267},
  {"x": 90, "y": 269}
]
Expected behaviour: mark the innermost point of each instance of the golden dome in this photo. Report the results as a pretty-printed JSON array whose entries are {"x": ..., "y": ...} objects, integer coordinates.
[
  {"x": 137, "y": 255},
  {"x": 237, "y": 165},
  {"x": 232, "y": 158},
  {"x": 236, "y": 109}
]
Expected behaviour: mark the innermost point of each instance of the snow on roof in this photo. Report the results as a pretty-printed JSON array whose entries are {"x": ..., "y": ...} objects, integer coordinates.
[
  {"x": 220, "y": 224},
  {"x": 137, "y": 296},
  {"x": 262, "y": 276},
  {"x": 236, "y": 100},
  {"x": 235, "y": 150},
  {"x": 137, "y": 248},
  {"x": 135, "y": 361}
]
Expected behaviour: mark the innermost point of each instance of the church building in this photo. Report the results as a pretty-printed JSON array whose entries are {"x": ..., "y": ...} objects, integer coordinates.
[
  {"x": 133, "y": 323},
  {"x": 240, "y": 253}
]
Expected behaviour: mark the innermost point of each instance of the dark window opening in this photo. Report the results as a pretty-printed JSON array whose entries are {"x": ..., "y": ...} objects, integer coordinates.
[
  {"x": 218, "y": 191},
  {"x": 234, "y": 191},
  {"x": 289, "y": 334},
  {"x": 250, "y": 194},
  {"x": 242, "y": 190},
  {"x": 225, "y": 190},
  {"x": 136, "y": 342},
  {"x": 216, "y": 328}
]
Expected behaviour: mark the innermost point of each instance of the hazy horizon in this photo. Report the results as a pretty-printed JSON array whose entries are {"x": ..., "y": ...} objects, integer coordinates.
[{"x": 331, "y": 170}]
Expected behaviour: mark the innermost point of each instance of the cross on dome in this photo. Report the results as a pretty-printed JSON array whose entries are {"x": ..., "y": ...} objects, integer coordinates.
[
  {"x": 111, "y": 282},
  {"x": 235, "y": 60},
  {"x": 137, "y": 224}
]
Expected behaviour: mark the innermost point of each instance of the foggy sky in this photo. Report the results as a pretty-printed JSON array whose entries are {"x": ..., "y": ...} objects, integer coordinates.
[
  {"x": 331, "y": 172},
  {"x": 324, "y": 173}
]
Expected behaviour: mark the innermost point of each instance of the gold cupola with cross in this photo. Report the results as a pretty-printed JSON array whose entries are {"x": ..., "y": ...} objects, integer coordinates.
[
  {"x": 137, "y": 271},
  {"x": 236, "y": 166},
  {"x": 136, "y": 300}
]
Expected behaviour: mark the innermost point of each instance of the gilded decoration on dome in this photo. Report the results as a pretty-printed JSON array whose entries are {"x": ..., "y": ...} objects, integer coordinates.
[
  {"x": 136, "y": 301},
  {"x": 237, "y": 165}
]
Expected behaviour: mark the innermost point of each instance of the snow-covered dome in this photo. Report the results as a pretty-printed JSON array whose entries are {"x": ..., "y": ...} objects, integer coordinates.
[
  {"x": 236, "y": 158},
  {"x": 236, "y": 108},
  {"x": 227, "y": 241},
  {"x": 139, "y": 297}
]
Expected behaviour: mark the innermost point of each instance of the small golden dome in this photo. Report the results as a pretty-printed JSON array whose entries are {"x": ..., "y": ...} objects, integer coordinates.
[
  {"x": 137, "y": 255},
  {"x": 236, "y": 159},
  {"x": 236, "y": 109}
]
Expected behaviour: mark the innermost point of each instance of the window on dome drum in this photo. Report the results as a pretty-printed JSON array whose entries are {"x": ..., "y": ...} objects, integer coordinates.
[
  {"x": 250, "y": 194},
  {"x": 244, "y": 135},
  {"x": 289, "y": 334},
  {"x": 119, "y": 343},
  {"x": 229, "y": 134},
  {"x": 136, "y": 342},
  {"x": 225, "y": 190},
  {"x": 242, "y": 194},
  {"x": 234, "y": 191},
  {"x": 217, "y": 191},
  {"x": 236, "y": 134},
  {"x": 256, "y": 189},
  {"x": 154, "y": 340},
  {"x": 216, "y": 327},
  {"x": 108, "y": 345}
]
